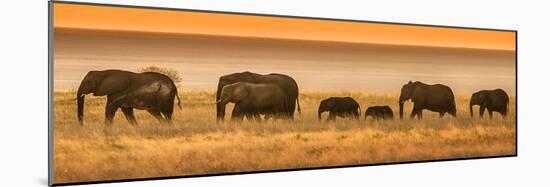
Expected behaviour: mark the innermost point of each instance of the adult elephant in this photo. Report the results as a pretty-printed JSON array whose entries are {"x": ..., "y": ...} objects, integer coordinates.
[
  {"x": 252, "y": 99},
  {"x": 492, "y": 100},
  {"x": 285, "y": 82},
  {"x": 126, "y": 90},
  {"x": 437, "y": 98}
]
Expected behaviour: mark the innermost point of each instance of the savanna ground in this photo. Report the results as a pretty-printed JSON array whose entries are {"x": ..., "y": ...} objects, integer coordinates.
[{"x": 196, "y": 145}]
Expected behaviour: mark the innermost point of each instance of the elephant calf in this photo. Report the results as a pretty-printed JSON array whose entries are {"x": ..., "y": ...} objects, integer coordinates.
[
  {"x": 339, "y": 106},
  {"x": 379, "y": 112},
  {"x": 492, "y": 100},
  {"x": 253, "y": 99}
]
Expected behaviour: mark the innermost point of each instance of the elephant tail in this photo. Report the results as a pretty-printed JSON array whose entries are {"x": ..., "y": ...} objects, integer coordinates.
[
  {"x": 179, "y": 101},
  {"x": 298, "y": 103},
  {"x": 453, "y": 109}
]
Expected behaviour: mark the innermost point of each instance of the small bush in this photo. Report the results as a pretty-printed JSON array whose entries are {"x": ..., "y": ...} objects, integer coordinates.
[{"x": 170, "y": 72}]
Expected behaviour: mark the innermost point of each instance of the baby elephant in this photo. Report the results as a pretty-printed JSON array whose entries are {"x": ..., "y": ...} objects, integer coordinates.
[
  {"x": 379, "y": 112},
  {"x": 493, "y": 100},
  {"x": 339, "y": 106}
]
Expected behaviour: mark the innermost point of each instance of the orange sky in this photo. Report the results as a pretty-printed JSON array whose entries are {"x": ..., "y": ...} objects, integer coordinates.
[{"x": 150, "y": 20}]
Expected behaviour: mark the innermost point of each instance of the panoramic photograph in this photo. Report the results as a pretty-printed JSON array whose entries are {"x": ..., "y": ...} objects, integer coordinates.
[{"x": 146, "y": 93}]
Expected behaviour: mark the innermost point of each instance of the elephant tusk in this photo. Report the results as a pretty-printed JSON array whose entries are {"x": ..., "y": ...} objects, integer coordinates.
[
  {"x": 81, "y": 95},
  {"x": 218, "y": 101}
]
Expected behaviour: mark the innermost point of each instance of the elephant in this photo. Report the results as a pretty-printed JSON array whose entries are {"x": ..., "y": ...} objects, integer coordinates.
[
  {"x": 285, "y": 82},
  {"x": 253, "y": 99},
  {"x": 126, "y": 90},
  {"x": 379, "y": 112},
  {"x": 339, "y": 106},
  {"x": 437, "y": 98},
  {"x": 492, "y": 100}
]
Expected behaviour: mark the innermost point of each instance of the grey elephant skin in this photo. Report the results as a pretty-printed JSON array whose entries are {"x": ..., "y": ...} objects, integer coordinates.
[
  {"x": 285, "y": 82},
  {"x": 379, "y": 112},
  {"x": 339, "y": 106},
  {"x": 437, "y": 98},
  {"x": 126, "y": 90},
  {"x": 492, "y": 100},
  {"x": 253, "y": 99}
]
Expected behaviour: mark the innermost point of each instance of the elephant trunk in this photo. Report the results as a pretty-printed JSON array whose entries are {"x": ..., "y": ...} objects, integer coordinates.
[
  {"x": 473, "y": 101},
  {"x": 220, "y": 110},
  {"x": 471, "y": 110},
  {"x": 401, "y": 109},
  {"x": 80, "y": 104},
  {"x": 319, "y": 114}
]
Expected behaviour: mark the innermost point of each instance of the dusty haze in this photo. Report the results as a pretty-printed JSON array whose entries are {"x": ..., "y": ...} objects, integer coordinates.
[{"x": 316, "y": 65}]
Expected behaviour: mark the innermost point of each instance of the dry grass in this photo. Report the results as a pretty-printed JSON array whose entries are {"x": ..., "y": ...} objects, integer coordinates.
[{"x": 195, "y": 144}]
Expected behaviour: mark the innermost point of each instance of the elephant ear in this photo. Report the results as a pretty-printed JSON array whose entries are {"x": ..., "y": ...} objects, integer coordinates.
[
  {"x": 484, "y": 97},
  {"x": 240, "y": 93},
  {"x": 415, "y": 93},
  {"x": 330, "y": 104},
  {"x": 111, "y": 84}
]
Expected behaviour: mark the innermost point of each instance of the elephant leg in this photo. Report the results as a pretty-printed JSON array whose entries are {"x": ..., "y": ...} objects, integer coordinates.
[
  {"x": 356, "y": 114},
  {"x": 257, "y": 117},
  {"x": 237, "y": 114},
  {"x": 413, "y": 113},
  {"x": 288, "y": 117},
  {"x": 167, "y": 109},
  {"x": 481, "y": 111},
  {"x": 168, "y": 116},
  {"x": 441, "y": 114},
  {"x": 110, "y": 114},
  {"x": 291, "y": 107},
  {"x": 419, "y": 114},
  {"x": 156, "y": 114},
  {"x": 416, "y": 112},
  {"x": 388, "y": 116},
  {"x": 110, "y": 110},
  {"x": 276, "y": 116},
  {"x": 503, "y": 113},
  {"x": 289, "y": 114},
  {"x": 380, "y": 115},
  {"x": 129, "y": 114},
  {"x": 490, "y": 114},
  {"x": 248, "y": 116},
  {"x": 452, "y": 111},
  {"x": 331, "y": 117},
  {"x": 252, "y": 117},
  {"x": 268, "y": 116}
]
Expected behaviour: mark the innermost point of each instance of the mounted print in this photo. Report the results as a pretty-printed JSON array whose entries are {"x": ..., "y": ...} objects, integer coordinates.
[{"x": 142, "y": 93}]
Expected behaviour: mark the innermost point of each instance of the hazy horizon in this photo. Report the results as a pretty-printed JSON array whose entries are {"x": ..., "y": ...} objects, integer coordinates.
[{"x": 315, "y": 65}]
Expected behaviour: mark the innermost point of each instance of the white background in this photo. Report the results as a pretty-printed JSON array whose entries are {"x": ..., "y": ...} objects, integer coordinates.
[{"x": 23, "y": 93}]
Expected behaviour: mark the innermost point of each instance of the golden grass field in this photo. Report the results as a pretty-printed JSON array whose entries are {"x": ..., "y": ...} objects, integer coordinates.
[{"x": 196, "y": 145}]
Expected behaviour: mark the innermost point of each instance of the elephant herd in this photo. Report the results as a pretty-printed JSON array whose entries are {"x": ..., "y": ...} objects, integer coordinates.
[{"x": 272, "y": 95}]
